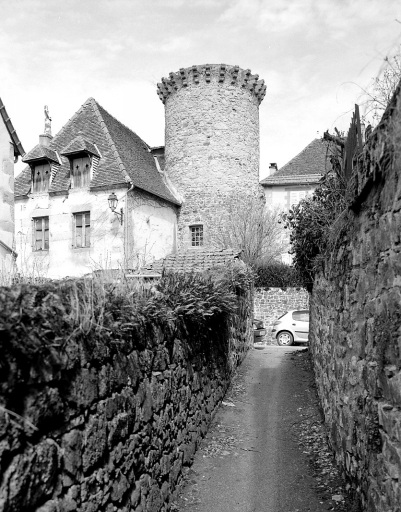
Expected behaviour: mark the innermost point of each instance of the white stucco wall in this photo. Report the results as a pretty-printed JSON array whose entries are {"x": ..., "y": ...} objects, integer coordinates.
[
  {"x": 7, "y": 259},
  {"x": 282, "y": 197},
  {"x": 279, "y": 196},
  {"x": 153, "y": 230},
  {"x": 147, "y": 233}
]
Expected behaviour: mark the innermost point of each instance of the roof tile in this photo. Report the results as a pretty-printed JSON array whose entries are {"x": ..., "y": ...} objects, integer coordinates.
[
  {"x": 40, "y": 152},
  {"x": 307, "y": 167},
  {"x": 124, "y": 156},
  {"x": 193, "y": 260}
]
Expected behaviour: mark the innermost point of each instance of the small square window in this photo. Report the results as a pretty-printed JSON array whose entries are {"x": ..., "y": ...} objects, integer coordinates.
[
  {"x": 82, "y": 224},
  {"x": 196, "y": 235},
  {"x": 41, "y": 234}
]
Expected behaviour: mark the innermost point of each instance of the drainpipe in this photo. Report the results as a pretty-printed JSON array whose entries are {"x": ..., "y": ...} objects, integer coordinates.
[{"x": 126, "y": 224}]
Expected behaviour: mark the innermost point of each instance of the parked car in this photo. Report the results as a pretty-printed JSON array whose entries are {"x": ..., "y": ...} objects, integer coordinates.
[
  {"x": 258, "y": 331},
  {"x": 292, "y": 327}
]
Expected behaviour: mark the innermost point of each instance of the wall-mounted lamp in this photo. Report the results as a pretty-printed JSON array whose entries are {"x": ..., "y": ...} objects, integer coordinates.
[{"x": 113, "y": 201}]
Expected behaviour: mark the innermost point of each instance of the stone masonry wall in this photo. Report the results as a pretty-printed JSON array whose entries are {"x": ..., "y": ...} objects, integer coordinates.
[
  {"x": 212, "y": 141},
  {"x": 113, "y": 430},
  {"x": 355, "y": 335},
  {"x": 270, "y": 303}
]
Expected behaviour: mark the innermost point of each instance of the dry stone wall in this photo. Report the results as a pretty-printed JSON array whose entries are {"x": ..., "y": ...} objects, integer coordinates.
[
  {"x": 212, "y": 141},
  {"x": 356, "y": 331},
  {"x": 112, "y": 430},
  {"x": 270, "y": 303}
]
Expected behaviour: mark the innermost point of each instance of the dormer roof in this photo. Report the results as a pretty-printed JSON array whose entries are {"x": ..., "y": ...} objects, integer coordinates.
[
  {"x": 18, "y": 149},
  {"x": 79, "y": 145},
  {"x": 40, "y": 152},
  {"x": 125, "y": 157}
]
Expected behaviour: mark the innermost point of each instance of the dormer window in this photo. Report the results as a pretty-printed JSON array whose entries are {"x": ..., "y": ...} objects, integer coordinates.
[
  {"x": 84, "y": 157},
  {"x": 41, "y": 177},
  {"x": 40, "y": 160},
  {"x": 80, "y": 171}
]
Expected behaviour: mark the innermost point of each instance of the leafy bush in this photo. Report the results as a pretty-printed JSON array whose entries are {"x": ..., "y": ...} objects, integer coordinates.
[
  {"x": 47, "y": 327},
  {"x": 277, "y": 275},
  {"x": 315, "y": 224}
]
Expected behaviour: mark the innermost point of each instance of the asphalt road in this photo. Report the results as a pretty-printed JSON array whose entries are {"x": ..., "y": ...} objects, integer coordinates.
[{"x": 251, "y": 459}]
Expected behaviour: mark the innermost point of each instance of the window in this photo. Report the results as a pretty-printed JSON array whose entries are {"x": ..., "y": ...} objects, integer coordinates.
[
  {"x": 41, "y": 234},
  {"x": 82, "y": 225},
  {"x": 300, "y": 316},
  {"x": 41, "y": 178},
  {"x": 81, "y": 171},
  {"x": 296, "y": 196},
  {"x": 196, "y": 235}
]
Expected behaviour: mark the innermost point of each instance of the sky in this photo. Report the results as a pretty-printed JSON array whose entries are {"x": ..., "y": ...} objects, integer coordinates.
[{"x": 315, "y": 56}]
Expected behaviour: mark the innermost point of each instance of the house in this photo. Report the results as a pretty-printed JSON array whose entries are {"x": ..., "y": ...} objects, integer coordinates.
[
  {"x": 91, "y": 197},
  {"x": 10, "y": 149},
  {"x": 97, "y": 197},
  {"x": 295, "y": 180}
]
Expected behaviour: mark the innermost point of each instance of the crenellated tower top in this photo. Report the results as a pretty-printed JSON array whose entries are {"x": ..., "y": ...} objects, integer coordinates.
[{"x": 217, "y": 73}]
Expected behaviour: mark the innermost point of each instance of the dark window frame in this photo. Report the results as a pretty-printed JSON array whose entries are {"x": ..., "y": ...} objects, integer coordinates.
[{"x": 196, "y": 235}]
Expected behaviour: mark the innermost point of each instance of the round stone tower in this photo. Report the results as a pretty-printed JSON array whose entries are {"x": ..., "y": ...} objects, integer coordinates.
[{"x": 211, "y": 143}]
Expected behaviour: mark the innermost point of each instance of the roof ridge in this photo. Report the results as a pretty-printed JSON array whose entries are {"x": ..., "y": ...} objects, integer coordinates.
[
  {"x": 103, "y": 126},
  {"x": 11, "y": 130},
  {"x": 76, "y": 114},
  {"x": 298, "y": 154}
]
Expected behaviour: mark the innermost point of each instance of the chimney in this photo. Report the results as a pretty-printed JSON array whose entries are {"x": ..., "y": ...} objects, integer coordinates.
[
  {"x": 44, "y": 139},
  {"x": 272, "y": 168}
]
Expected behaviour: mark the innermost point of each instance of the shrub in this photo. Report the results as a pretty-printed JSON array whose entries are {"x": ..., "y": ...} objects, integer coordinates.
[
  {"x": 315, "y": 224},
  {"x": 277, "y": 275},
  {"x": 48, "y": 327}
]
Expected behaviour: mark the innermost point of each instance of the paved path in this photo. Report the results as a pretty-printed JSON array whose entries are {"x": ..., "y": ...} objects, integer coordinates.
[{"x": 251, "y": 459}]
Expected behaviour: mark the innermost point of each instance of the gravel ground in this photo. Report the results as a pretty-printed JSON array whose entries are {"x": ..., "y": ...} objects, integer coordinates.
[{"x": 225, "y": 440}]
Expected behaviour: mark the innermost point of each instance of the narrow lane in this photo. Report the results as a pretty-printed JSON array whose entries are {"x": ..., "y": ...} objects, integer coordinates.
[{"x": 251, "y": 459}]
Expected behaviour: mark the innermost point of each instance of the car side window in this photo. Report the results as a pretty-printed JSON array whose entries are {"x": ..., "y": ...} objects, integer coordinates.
[{"x": 300, "y": 316}]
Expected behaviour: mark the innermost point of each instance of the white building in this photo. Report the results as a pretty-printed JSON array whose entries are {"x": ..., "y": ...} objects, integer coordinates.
[
  {"x": 64, "y": 225},
  {"x": 10, "y": 149},
  {"x": 295, "y": 180}
]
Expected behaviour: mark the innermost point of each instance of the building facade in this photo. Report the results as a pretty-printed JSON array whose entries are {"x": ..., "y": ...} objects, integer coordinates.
[
  {"x": 286, "y": 186},
  {"x": 64, "y": 223},
  {"x": 170, "y": 198},
  {"x": 211, "y": 144},
  {"x": 10, "y": 149}
]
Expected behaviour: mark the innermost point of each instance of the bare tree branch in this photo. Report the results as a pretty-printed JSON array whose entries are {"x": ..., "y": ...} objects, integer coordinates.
[{"x": 251, "y": 228}]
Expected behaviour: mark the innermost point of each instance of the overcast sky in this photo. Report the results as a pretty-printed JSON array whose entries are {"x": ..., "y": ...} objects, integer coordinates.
[{"x": 314, "y": 56}]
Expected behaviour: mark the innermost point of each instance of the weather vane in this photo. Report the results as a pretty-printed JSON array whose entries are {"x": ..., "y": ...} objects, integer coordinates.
[{"x": 48, "y": 121}]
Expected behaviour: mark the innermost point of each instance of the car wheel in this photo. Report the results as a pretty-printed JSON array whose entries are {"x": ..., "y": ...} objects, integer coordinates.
[{"x": 285, "y": 338}]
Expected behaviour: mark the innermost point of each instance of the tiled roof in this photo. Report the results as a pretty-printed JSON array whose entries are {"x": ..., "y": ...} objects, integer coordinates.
[
  {"x": 18, "y": 149},
  {"x": 40, "y": 152},
  {"x": 124, "y": 156},
  {"x": 193, "y": 260},
  {"x": 78, "y": 145},
  {"x": 307, "y": 167},
  {"x": 292, "y": 180}
]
